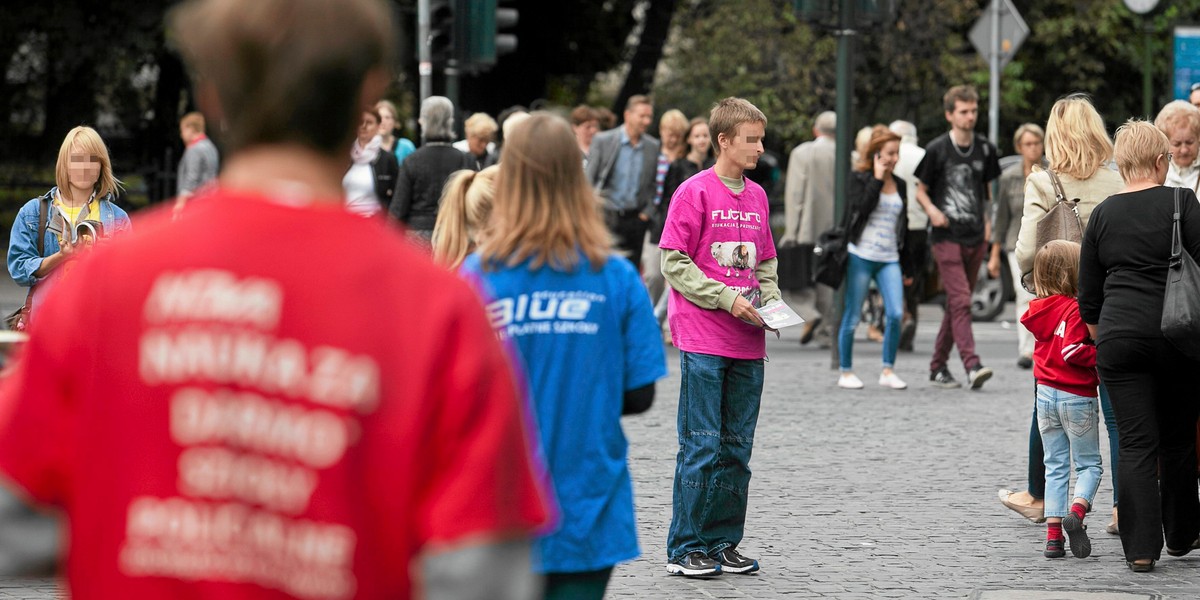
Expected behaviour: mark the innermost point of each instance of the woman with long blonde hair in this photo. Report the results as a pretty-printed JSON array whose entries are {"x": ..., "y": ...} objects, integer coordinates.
[
  {"x": 567, "y": 304},
  {"x": 84, "y": 191},
  {"x": 1079, "y": 153},
  {"x": 466, "y": 205}
]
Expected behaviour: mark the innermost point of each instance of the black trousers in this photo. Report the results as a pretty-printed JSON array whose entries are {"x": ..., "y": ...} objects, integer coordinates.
[
  {"x": 629, "y": 233},
  {"x": 1153, "y": 392}
]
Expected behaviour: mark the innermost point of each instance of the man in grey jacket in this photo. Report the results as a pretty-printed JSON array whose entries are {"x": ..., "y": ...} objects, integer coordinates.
[
  {"x": 200, "y": 160},
  {"x": 621, "y": 167},
  {"x": 808, "y": 212}
]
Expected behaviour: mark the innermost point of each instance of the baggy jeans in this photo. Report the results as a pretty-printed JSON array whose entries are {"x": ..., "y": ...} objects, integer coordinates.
[{"x": 718, "y": 412}]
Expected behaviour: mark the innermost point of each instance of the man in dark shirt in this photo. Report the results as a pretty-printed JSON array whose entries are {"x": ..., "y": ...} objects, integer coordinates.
[{"x": 954, "y": 176}]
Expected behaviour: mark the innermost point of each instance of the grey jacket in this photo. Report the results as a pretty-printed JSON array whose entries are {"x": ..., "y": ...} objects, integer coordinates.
[
  {"x": 603, "y": 156},
  {"x": 199, "y": 164}
]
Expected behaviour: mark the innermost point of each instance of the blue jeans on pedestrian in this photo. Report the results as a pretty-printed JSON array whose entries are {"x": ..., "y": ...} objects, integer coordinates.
[
  {"x": 890, "y": 282},
  {"x": 718, "y": 412},
  {"x": 1037, "y": 454},
  {"x": 1070, "y": 427}
]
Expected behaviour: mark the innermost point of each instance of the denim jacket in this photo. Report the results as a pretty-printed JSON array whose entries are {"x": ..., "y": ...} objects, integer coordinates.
[{"x": 23, "y": 259}]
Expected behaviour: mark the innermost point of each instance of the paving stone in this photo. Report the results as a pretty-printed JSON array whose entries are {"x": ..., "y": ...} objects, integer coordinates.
[{"x": 877, "y": 493}]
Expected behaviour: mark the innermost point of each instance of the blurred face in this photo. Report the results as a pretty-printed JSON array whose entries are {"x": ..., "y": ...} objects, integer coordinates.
[
  {"x": 83, "y": 168},
  {"x": 1183, "y": 145},
  {"x": 477, "y": 144},
  {"x": 1030, "y": 147},
  {"x": 367, "y": 128},
  {"x": 746, "y": 145},
  {"x": 585, "y": 131},
  {"x": 637, "y": 119},
  {"x": 671, "y": 138},
  {"x": 699, "y": 139},
  {"x": 963, "y": 116},
  {"x": 1194, "y": 98},
  {"x": 387, "y": 121},
  {"x": 889, "y": 155}
]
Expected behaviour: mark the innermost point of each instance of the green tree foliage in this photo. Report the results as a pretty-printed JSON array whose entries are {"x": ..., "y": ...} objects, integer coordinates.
[
  {"x": 757, "y": 49},
  {"x": 1094, "y": 47},
  {"x": 754, "y": 49}
]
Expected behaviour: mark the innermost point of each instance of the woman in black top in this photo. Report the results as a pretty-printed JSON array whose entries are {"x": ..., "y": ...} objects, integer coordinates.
[
  {"x": 424, "y": 173},
  {"x": 1122, "y": 280}
]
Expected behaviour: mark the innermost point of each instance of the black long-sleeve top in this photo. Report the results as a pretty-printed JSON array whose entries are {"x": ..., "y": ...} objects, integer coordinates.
[
  {"x": 419, "y": 186},
  {"x": 862, "y": 197},
  {"x": 1123, "y": 260}
]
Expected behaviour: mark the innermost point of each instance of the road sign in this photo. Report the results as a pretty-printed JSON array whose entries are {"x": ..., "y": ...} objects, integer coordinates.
[{"x": 1013, "y": 31}]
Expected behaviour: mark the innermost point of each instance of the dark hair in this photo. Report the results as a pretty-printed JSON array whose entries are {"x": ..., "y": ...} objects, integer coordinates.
[
  {"x": 582, "y": 114},
  {"x": 959, "y": 93},
  {"x": 284, "y": 70}
]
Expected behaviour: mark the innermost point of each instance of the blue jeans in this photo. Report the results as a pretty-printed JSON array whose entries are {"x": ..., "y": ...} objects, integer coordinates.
[
  {"x": 891, "y": 286},
  {"x": 1070, "y": 427},
  {"x": 718, "y": 411},
  {"x": 1037, "y": 454}
]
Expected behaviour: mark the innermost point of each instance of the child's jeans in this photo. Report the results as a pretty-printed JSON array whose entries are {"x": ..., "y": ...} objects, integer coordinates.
[{"x": 1070, "y": 427}]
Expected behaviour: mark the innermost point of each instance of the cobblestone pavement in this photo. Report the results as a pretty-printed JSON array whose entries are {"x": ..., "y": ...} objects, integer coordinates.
[
  {"x": 873, "y": 493},
  {"x": 883, "y": 494}
]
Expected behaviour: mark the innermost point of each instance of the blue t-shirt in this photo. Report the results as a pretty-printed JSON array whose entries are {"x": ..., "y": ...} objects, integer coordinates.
[{"x": 584, "y": 339}]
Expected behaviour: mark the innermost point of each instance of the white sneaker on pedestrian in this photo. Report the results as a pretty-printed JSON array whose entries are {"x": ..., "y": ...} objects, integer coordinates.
[
  {"x": 850, "y": 381},
  {"x": 891, "y": 381}
]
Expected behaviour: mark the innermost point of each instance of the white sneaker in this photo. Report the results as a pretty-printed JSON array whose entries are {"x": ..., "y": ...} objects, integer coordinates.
[
  {"x": 850, "y": 381},
  {"x": 889, "y": 380}
]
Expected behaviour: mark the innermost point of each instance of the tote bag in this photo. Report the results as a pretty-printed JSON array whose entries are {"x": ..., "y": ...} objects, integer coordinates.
[{"x": 1181, "y": 302}]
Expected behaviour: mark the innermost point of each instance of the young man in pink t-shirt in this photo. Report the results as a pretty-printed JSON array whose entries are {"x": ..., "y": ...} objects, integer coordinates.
[{"x": 719, "y": 259}]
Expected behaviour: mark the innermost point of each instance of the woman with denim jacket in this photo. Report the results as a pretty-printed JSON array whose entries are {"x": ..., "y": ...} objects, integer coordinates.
[
  {"x": 84, "y": 191},
  {"x": 876, "y": 223}
]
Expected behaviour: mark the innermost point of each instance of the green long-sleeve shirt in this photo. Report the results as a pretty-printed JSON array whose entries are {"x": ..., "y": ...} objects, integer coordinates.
[{"x": 686, "y": 278}]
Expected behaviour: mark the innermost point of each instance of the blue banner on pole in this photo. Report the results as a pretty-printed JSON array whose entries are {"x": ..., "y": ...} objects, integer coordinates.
[{"x": 1187, "y": 60}]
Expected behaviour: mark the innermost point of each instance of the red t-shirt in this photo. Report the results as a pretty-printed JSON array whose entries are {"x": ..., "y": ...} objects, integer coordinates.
[{"x": 267, "y": 401}]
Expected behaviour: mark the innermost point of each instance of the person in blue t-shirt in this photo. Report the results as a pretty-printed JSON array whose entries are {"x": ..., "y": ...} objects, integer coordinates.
[{"x": 580, "y": 321}]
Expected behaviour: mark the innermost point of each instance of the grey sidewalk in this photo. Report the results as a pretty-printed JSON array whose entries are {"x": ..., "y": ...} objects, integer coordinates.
[
  {"x": 883, "y": 494},
  {"x": 873, "y": 493}
]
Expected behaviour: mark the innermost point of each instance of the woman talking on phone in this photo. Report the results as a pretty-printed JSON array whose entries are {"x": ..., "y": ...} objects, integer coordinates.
[{"x": 876, "y": 220}]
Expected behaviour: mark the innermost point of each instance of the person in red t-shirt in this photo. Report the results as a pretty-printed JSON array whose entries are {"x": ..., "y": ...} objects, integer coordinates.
[
  {"x": 1064, "y": 365},
  {"x": 258, "y": 400}
]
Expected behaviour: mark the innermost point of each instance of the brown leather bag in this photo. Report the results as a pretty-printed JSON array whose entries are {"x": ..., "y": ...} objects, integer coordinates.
[{"x": 1062, "y": 222}]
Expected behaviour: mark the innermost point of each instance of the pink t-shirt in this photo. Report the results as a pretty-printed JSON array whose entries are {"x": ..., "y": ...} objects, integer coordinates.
[{"x": 726, "y": 235}]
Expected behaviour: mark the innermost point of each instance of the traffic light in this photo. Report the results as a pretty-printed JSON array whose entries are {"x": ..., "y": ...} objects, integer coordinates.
[
  {"x": 442, "y": 25},
  {"x": 488, "y": 30}
]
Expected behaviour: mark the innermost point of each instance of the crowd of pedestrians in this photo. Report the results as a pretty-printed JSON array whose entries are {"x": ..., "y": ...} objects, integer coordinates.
[{"x": 462, "y": 443}]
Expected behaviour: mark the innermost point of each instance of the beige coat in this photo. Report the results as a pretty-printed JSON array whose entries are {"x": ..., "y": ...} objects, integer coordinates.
[
  {"x": 1039, "y": 198},
  {"x": 808, "y": 192}
]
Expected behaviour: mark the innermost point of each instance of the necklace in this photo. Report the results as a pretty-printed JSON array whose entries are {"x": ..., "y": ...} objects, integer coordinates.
[{"x": 970, "y": 149}]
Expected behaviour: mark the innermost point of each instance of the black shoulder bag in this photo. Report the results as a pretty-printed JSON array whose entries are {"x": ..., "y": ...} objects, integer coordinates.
[{"x": 1181, "y": 302}]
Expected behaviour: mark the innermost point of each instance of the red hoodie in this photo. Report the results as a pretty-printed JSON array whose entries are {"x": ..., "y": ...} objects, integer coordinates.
[{"x": 1064, "y": 356}]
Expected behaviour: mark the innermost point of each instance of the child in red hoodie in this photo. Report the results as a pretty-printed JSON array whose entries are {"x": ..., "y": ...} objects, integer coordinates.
[{"x": 1064, "y": 364}]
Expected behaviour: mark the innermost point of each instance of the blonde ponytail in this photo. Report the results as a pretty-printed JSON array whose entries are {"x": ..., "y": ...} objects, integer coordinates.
[{"x": 463, "y": 213}]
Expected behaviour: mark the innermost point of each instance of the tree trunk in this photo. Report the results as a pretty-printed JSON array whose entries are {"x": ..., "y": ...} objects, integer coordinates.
[{"x": 649, "y": 51}]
